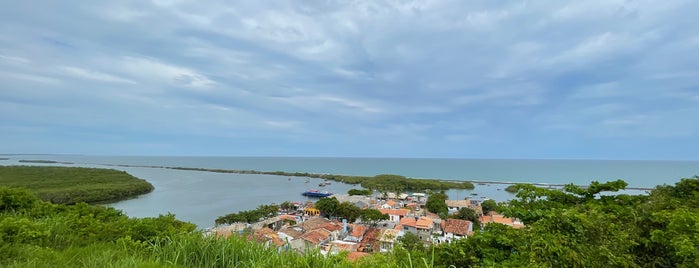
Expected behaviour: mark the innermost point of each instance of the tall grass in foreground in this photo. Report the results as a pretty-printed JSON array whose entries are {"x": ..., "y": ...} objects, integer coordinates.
[{"x": 197, "y": 251}]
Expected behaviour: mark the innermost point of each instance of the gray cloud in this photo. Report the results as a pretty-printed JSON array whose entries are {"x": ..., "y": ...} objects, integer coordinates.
[{"x": 300, "y": 78}]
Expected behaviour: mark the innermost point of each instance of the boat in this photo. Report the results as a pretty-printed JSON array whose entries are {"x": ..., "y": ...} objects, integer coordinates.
[
  {"x": 474, "y": 193},
  {"x": 316, "y": 193}
]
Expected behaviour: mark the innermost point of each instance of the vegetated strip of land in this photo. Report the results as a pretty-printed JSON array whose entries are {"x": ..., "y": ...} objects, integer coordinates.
[
  {"x": 70, "y": 185},
  {"x": 44, "y": 162},
  {"x": 541, "y": 184},
  {"x": 384, "y": 182}
]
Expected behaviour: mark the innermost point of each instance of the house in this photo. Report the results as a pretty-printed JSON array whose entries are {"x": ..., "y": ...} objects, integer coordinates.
[
  {"x": 312, "y": 224},
  {"x": 290, "y": 233},
  {"x": 455, "y": 205},
  {"x": 336, "y": 246},
  {"x": 407, "y": 224},
  {"x": 268, "y": 237},
  {"x": 390, "y": 204},
  {"x": 370, "y": 241},
  {"x": 455, "y": 229},
  {"x": 395, "y": 214},
  {"x": 336, "y": 230},
  {"x": 356, "y": 233},
  {"x": 311, "y": 239},
  {"x": 494, "y": 217},
  {"x": 422, "y": 227},
  {"x": 388, "y": 239},
  {"x": 419, "y": 197}
]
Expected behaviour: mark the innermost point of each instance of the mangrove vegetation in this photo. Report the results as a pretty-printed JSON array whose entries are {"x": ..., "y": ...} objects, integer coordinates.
[{"x": 71, "y": 185}]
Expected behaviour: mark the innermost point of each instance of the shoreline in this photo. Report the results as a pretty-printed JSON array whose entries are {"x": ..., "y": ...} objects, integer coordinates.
[
  {"x": 329, "y": 176},
  {"x": 334, "y": 177}
]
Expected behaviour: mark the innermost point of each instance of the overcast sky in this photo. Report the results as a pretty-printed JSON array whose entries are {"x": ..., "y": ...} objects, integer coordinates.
[{"x": 456, "y": 79}]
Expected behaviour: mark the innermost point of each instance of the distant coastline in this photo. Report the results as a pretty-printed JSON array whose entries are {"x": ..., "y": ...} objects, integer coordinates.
[
  {"x": 348, "y": 179},
  {"x": 43, "y": 162},
  {"x": 384, "y": 182}
]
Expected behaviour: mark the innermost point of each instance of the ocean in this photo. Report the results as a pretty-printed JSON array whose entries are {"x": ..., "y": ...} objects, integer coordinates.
[{"x": 200, "y": 197}]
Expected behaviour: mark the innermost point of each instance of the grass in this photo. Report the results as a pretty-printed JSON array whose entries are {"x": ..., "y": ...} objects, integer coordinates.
[{"x": 71, "y": 185}]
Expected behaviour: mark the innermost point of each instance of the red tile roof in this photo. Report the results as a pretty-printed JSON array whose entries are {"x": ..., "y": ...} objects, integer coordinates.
[
  {"x": 456, "y": 226},
  {"x": 370, "y": 237},
  {"x": 332, "y": 226},
  {"x": 408, "y": 221},
  {"x": 316, "y": 236},
  {"x": 358, "y": 230},
  {"x": 400, "y": 212},
  {"x": 313, "y": 223},
  {"x": 424, "y": 223}
]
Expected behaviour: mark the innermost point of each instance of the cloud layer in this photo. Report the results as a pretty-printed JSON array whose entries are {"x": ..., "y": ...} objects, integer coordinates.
[{"x": 589, "y": 79}]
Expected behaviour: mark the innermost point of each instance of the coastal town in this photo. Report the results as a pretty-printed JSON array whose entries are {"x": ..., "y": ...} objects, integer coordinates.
[{"x": 305, "y": 227}]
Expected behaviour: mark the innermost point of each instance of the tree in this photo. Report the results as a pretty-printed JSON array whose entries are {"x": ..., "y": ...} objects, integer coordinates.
[
  {"x": 488, "y": 206},
  {"x": 328, "y": 206},
  {"x": 373, "y": 216},
  {"x": 359, "y": 192},
  {"x": 349, "y": 211},
  {"x": 411, "y": 242},
  {"x": 436, "y": 204},
  {"x": 287, "y": 206},
  {"x": 468, "y": 214}
]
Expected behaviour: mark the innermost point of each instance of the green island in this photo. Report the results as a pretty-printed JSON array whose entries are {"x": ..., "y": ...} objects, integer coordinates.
[
  {"x": 71, "y": 185},
  {"x": 43, "y": 161},
  {"x": 383, "y": 182},
  {"x": 569, "y": 227}
]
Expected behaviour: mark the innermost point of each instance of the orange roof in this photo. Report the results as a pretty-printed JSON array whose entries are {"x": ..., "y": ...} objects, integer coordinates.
[
  {"x": 358, "y": 230},
  {"x": 400, "y": 212},
  {"x": 424, "y": 223},
  {"x": 408, "y": 221},
  {"x": 499, "y": 218},
  {"x": 287, "y": 217},
  {"x": 316, "y": 236},
  {"x": 391, "y": 203},
  {"x": 293, "y": 232},
  {"x": 312, "y": 224},
  {"x": 266, "y": 234},
  {"x": 332, "y": 226},
  {"x": 343, "y": 246},
  {"x": 456, "y": 226}
]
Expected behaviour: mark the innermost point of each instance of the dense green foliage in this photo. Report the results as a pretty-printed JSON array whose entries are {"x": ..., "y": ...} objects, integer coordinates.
[
  {"x": 435, "y": 204},
  {"x": 332, "y": 208},
  {"x": 467, "y": 214},
  {"x": 512, "y": 188},
  {"x": 571, "y": 227},
  {"x": 359, "y": 192},
  {"x": 581, "y": 227},
  {"x": 34, "y": 233},
  {"x": 249, "y": 216},
  {"x": 399, "y": 184},
  {"x": 488, "y": 206},
  {"x": 373, "y": 216},
  {"x": 70, "y": 185},
  {"x": 29, "y": 226}
]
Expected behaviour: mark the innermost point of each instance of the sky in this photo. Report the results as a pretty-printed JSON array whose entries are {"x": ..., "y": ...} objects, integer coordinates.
[{"x": 427, "y": 79}]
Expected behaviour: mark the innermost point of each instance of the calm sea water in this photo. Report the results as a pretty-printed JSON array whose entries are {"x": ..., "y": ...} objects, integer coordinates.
[{"x": 200, "y": 197}]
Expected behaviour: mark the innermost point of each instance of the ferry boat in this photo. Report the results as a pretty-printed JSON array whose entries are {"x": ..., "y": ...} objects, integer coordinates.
[{"x": 316, "y": 193}]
